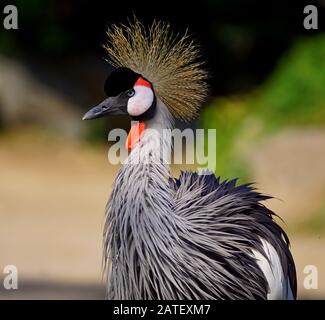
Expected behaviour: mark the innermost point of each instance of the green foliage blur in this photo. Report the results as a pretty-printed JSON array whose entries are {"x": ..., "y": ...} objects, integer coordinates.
[{"x": 292, "y": 96}]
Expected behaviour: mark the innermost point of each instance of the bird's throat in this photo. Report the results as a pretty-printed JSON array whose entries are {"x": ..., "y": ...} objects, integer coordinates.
[{"x": 135, "y": 134}]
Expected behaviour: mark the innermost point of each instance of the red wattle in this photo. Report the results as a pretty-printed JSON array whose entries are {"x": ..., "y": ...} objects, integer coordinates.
[{"x": 135, "y": 134}]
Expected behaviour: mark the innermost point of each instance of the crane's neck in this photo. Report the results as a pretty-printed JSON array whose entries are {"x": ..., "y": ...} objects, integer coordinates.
[
  {"x": 139, "y": 210},
  {"x": 154, "y": 147}
]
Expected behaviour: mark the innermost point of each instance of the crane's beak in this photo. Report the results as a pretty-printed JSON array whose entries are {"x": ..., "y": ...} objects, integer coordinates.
[{"x": 110, "y": 106}]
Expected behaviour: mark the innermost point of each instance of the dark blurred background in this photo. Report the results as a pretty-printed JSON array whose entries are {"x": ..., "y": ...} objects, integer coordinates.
[
  {"x": 241, "y": 40},
  {"x": 267, "y": 103}
]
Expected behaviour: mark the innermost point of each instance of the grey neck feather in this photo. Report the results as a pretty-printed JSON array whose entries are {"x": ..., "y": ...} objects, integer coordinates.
[
  {"x": 155, "y": 145},
  {"x": 139, "y": 214}
]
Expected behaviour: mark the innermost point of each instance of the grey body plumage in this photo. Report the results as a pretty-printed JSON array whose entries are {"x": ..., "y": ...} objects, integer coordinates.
[
  {"x": 186, "y": 238},
  {"x": 194, "y": 237}
]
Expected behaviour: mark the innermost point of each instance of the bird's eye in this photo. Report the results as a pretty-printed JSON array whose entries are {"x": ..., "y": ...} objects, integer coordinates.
[{"x": 130, "y": 93}]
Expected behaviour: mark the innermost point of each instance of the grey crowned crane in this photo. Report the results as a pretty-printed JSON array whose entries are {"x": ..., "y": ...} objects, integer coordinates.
[{"x": 193, "y": 237}]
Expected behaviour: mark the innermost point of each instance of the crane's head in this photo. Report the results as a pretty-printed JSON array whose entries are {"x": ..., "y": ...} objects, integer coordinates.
[
  {"x": 152, "y": 65},
  {"x": 127, "y": 93}
]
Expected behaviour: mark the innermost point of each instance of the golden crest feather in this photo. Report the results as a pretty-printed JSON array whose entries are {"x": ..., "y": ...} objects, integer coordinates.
[{"x": 168, "y": 61}]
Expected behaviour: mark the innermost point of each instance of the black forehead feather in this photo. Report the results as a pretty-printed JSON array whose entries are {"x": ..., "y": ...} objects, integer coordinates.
[{"x": 119, "y": 80}]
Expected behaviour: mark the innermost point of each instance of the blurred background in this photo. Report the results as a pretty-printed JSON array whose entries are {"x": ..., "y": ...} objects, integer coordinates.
[{"x": 267, "y": 104}]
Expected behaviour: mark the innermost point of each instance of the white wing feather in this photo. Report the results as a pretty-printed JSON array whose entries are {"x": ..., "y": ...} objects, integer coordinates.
[{"x": 279, "y": 288}]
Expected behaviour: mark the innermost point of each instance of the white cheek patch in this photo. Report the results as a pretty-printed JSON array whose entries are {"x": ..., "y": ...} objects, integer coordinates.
[{"x": 141, "y": 101}]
